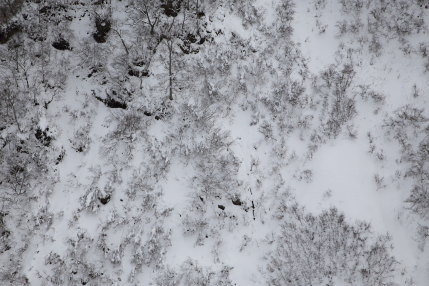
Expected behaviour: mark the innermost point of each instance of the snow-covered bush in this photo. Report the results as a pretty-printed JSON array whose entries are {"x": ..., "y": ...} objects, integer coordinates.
[
  {"x": 194, "y": 274},
  {"x": 96, "y": 196},
  {"x": 304, "y": 175},
  {"x": 151, "y": 252},
  {"x": 338, "y": 105},
  {"x": 129, "y": 124},
  {"x": 422, "y": 236},
  {"x": 395, "y": 18},
  {"x": 142, "y": 185},
  {"x": 354, "y": 6},
  {"x": 419, "y": 166},
  {"x": 93, "y": 57},
  {"x": 39, "y": 71},
  {"x": 196, "y": 133},
  {"x": 313, "y": 250},
  {"x": 9, "y": 9},
  {"x": 285, "y": 13},
  {"x": 366, "y": 93},
  {"x": 216, "y": 175},
  {"x": 148, "y": 248},
  {"x": 4, "y": 235},
  {"x": 15, "y": 80},
  {"x": 409, "y": 127},
  {"x": 215, "y": 183},
  {"x": 286, "y": 94},
  {"x": 353, "y": 26},
  {"x": 388, "y": 19},
  {"x": 194, "y": 222},
  {"x": 22, "y": 163},
  {"x": 11, "y": 272},
  {"x": 191, "y": 273},
  {"x": 119, "y": 143},
  {"x": 81, "y": 140},
  {"x": 200, "y": 142},
  {"x": 405, "y": 124},
  {"x": 75, "y": 267}
]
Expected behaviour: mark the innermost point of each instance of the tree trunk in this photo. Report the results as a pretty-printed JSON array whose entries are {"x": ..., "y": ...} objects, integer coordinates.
[
  {"x": 12, "y": 106},
  {"x": 170, "y": 68},
  {"x": 122, "y": 41}
]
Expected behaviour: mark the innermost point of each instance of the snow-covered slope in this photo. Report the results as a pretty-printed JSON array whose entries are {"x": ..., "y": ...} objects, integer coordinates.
[{"x": 262, "y": 142}]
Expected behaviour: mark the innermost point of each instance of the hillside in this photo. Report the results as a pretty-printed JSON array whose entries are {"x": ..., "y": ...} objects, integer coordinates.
[{"x": 214, "y": 142}]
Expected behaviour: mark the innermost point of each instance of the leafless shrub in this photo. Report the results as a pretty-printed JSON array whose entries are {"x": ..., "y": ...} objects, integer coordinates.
[
  {"x": 409, "y": 127},
  {"x": 22, "y": 163},
  {"x": 338, "y": 106},
  {"x": 317, "y": 249},
  {"x": 191, "y": 273}
]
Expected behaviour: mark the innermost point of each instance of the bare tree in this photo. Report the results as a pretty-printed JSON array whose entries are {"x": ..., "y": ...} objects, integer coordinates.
[
  {"x": 170, "y": 45},
  {"x": 11, "y": 102},
  {"x": 150, "y": 11},
  {"x": 8, "y": 8},
  {"x": 169, "y": 22}
]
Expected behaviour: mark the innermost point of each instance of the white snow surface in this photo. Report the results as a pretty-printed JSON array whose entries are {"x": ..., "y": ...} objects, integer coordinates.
[{"x": 343, "y": 170}]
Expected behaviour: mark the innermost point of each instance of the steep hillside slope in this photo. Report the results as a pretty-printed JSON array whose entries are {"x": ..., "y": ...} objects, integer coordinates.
[{"x": 190, "y": 142}]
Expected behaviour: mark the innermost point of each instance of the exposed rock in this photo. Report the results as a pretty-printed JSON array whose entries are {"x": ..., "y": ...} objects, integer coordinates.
[
  {"x": 112, "y": 103},
  {"x": 104, "y": 200},
  {"x": 43, "y": 137},
  {"x": 61, "y": 45},
  {"x": 103, "y": 27},
  {"x": 237, "y": 202},
  {"x": 7, "y": 33}
]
